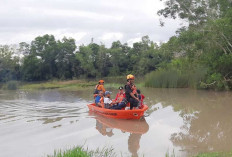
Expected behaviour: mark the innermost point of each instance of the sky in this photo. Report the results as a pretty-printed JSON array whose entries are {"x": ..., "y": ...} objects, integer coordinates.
[{"x": 103, "y": 20}]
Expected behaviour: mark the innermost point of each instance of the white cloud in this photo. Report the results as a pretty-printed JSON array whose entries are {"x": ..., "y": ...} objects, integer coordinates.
[
  {"x": 111, "y": 36},
  {"x": 105, "y": 21}
]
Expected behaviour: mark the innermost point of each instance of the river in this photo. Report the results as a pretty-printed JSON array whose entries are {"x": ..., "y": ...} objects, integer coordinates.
[{"x": 180, "y": 121}]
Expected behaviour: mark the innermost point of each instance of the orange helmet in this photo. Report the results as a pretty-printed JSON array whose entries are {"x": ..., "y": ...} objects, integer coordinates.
[
  {"x": 101, "y": 81},
  {"x": 130, "y": 77}
]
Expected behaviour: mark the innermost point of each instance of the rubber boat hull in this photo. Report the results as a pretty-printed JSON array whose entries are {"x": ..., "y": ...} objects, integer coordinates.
[{"x": 118, "y": 114}]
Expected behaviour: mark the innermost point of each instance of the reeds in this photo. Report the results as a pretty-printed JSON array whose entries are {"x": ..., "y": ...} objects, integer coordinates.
[{"x": 175, "y": 78}]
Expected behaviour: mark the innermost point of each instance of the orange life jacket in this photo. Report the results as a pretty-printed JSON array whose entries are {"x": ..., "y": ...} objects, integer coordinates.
[
  {"x": 120, "y": 97},
  {"x": 100, "y": 87}
]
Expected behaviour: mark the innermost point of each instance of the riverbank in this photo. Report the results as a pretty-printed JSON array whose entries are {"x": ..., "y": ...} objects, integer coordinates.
[{"x": 71, "y": 85}]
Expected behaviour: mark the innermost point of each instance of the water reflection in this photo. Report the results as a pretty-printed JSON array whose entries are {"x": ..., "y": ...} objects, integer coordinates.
[
  {"x": 187, "y": 121},
  {"x": 136, "y": 128},
  {"x": 207, "y": 130},
  {"x": 134, "y": 144},
  {"x": 207, "y": 118}
]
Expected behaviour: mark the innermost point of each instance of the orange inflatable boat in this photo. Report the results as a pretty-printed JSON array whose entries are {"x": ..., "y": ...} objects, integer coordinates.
[{"x": 118, "y": 114}]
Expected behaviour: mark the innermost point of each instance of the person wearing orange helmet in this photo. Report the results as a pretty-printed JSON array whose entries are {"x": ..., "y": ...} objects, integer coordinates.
[
  {"x": 99, "y": 87},
  {"x": 130, "y": 96}
]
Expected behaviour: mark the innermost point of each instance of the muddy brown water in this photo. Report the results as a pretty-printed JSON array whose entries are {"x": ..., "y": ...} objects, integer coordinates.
[{"x": 183, "y": 121}]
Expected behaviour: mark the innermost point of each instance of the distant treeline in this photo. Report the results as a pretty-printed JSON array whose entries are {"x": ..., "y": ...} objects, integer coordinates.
[
  {"x": 198, "y": 56},
  {"x": 46, "y": 58}
]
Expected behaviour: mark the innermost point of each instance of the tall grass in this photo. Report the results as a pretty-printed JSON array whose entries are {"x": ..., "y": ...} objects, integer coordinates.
[
  {"x": 175, "y": 78},
  {"x": 81, "y": 152},
  {"x": 109, "y": 152}
]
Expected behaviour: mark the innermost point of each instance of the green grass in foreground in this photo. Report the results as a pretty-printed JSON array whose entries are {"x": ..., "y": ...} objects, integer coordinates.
[
  {"x": 81, "y": 152},
  {"x": 109, "y": 152},
  {"x": 215, "y": 154}
]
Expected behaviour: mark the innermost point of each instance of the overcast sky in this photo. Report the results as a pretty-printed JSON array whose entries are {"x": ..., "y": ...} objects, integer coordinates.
[{"x": 103, "y": 20}]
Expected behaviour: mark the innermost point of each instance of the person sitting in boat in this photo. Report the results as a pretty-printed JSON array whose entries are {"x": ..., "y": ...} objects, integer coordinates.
[
  {"x": 120, "y": 95},
  {"x": 131, "y": 98},
  {"x": 99, "y": 87},
  {"x": 120, "y": 100},
  {"x": 107, "y": 101},
  {"x": 99, "y": 99}
]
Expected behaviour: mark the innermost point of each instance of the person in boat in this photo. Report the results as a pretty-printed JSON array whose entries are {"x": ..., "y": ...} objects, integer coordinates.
[
  {"x": 99, "y": 99},
  {"x": 120, "y": 100},
  {"x": 107, "y": 101},
  {"x": 130, "y": 96},
  {"x": 120, "y": 95},
  {"x": 99, "y": 87}
]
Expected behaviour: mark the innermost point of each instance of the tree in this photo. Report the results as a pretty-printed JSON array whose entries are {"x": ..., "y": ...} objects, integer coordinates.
[
  {"x": 65, "y": 58},
  {"x": 87, "y": 59},
  {"x": 195, "y": 11},
  {"x": 32, "y": 69},
  {"x": 46, "y": 48},
  {"x": 118, "y": 58},
  {"x": 9, "y": 64}
]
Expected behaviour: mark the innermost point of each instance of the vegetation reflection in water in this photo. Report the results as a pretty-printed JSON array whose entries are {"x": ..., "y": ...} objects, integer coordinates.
[{"x": 206, "y": 119}]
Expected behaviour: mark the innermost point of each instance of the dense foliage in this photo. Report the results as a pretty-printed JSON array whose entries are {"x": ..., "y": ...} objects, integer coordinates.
[
  {"x": 47, "y": 58},
  {"x": 203, "y": 50}
]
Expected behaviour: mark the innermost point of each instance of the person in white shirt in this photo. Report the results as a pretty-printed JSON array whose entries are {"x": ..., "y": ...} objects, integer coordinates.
[{"x": 107, "y": 101}]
